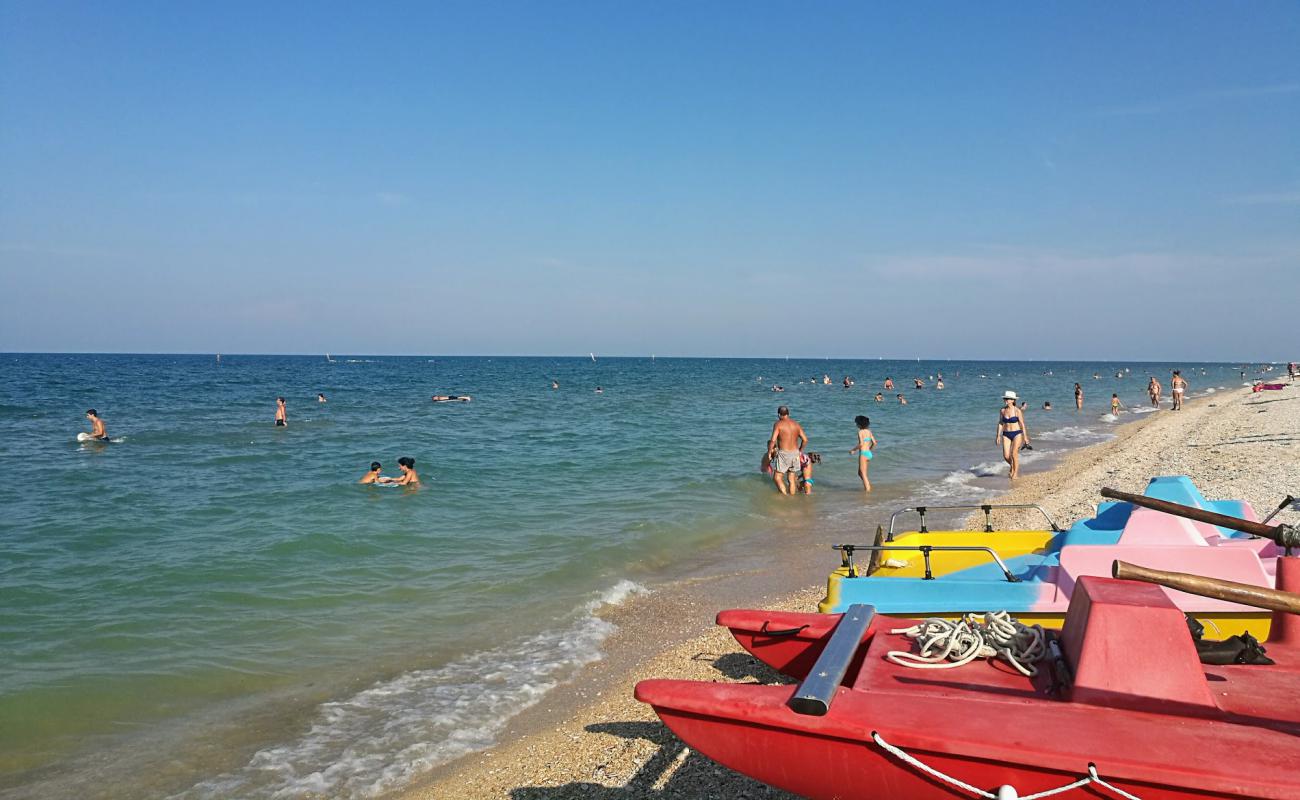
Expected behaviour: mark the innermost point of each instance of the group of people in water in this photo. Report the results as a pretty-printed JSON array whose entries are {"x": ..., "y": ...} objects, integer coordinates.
[{"x": 791, "y": 463}]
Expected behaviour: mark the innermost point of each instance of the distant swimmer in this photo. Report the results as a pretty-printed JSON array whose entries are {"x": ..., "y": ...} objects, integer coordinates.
[
  {"x": 783, "y": 450},
  {"x": 281, "y": 414},
  {"x": 320, "y": 398},
  {"x": 1078, "y": 397},
  {"x": 848, "y": 382},
  {"x": 918, "y": 383},
  {"x": 97, "y": 431},
  {"x": 409, "y": 477},
  {"x": 1047, "y": 406},
  {"x": 865, "y": 448},
  {"x": 1013, "y": 433},
  {"x": 777, "y": 388},
  {"x": 1178, "y": 385},
  {"x": 555, "y": 384},
  {"x": 939, "y": 384},
  {"x": 902, "y": 401},
  {"x": 373, "y": 475},
  {"x": 1153, "y": 391},
  {"x": 880, "y": 398},
  {"x": 889, "y": 384},
  {"x": 451, "y": 398},
  {"x": 599, "y": 390},
  {"x": 1115, "y": 404},
  {"x": 826, "y": 380}
]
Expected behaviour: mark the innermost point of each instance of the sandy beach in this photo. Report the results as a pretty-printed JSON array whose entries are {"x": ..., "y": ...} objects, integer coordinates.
[{"x": 1234, "y": 444}]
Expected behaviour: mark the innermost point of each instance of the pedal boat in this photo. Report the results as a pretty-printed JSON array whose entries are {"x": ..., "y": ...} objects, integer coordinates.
[
  {"x": 1127, "y": 710},
  {"x": 1032, "y": 574}
]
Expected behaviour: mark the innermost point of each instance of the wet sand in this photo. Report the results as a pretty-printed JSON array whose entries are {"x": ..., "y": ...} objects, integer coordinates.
[{"x": 590, "y": 739}]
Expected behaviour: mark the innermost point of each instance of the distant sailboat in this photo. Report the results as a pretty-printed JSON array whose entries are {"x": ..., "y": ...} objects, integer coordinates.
[
  {"x": 593, "y": 356},
  {"x": 218, "y": 358},
  {"x": 329, "y": 360}
]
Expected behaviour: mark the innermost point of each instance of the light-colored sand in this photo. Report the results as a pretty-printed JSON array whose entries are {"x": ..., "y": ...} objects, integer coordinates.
[{"x": 1233, "y": 444}]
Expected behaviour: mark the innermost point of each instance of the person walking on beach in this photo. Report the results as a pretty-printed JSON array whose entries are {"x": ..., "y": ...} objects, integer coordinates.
[
  {"x": 281, "y": 415},
  {"x": 1013, "y": 433},
  {"x": 1078, "y": 397},
  {"x": 788, "y": 438},
  {"x": 1178, "y": 386},
  {"x": 1153, "y": 390},
  {"x": 865, "y": 449},
  {"x": 96, "y": 425}
]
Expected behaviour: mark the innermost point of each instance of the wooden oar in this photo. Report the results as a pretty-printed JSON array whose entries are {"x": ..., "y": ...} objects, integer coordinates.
[
  {"x": 1285, "y": 535},
  {"x": 1231, "y": 591}
]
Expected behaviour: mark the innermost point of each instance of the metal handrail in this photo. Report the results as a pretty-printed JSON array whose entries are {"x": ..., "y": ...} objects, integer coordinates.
[
  {"x": 847, "y": 551},
  {"x": 987, "y": 508}
]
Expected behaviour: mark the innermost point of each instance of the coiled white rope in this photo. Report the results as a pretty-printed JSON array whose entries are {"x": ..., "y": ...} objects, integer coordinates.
[
  {"x": 1003, "y": 792},
  {"x": 946, "y": 643}
]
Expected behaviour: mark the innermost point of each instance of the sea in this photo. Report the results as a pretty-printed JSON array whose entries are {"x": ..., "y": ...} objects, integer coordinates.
[{"x": 210, "y": 606}]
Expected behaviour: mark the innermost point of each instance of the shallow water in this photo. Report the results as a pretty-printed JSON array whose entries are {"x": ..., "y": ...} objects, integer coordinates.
[{"x": 208, "y": 571}]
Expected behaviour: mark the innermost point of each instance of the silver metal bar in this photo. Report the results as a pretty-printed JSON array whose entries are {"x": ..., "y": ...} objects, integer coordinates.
[
  {"x": 926, "y": 550},
  {"x": 987, "y": 508},
  {"x": 813, "y": 697}
]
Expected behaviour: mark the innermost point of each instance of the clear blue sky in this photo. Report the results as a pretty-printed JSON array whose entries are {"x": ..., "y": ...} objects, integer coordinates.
[{"x": 1050, "y": 180}]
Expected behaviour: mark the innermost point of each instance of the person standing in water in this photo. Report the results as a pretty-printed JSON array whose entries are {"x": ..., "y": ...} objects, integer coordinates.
[
  {"x": 788, "y": 438},
  {"x": 281, "y": 414},
  {"x": 409, "y": 477},
  {"x": 889, "y": 384},
  {"x": 1013, "y": 433},
  {"x": 1078, "y": 397},
  {"x": 1115, "y": 405},
  {"x": 1153, "y": 391},
  {"x": 865, "y": 448},
  {"x": 373, "y": 475},
  {"x": 1178, "y": 385},
  {"x": 320, "y": 397},
  {"x": 96, "y": 425}
]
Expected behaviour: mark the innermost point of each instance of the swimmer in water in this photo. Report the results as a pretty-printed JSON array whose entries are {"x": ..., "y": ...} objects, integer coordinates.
[
  {"x": 409, "y": 477},
  {"x": 96, "y": 425},
  {"x": 1012, "y": 433},
  {"x": 1078, "y": 397},
  {"x": 889, "y": 384},
  {"x": 902, "y": 401},
  {"x": 880, "y": 398},
  {"x": 320, "y": 398},
  {"x": 555, "y": 384},
  {"x": 865, "y": 449},
  {"x": 939, "y": 383},
  {"x": 281, "y": 414},
  {"x": 848, "y": 382},
  {"x": 451, "y": 398},
  {"x": 373, "y": 475},
  {"x": 599, "y": 390},
  {"x": 778, "y": 388},
  {"x": 1047, "y": 406},
  {"x": 806, "y": 462}
]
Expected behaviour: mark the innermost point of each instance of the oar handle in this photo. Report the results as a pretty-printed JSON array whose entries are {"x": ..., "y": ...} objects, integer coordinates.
[
  {"x": 1231, "y": 591},
  {"x": 1198, "y": 514}
]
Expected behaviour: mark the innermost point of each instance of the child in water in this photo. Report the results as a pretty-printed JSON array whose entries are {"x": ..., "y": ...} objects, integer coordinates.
[
  {"x": 1115, "y": 404},
  {"x": 373, "y": 475},
  {"x": 866, "y": 444},
  {"x": 806, "y": 462}
]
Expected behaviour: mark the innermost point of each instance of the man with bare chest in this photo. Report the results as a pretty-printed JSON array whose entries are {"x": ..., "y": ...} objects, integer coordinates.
[{"x": 788, "y": 439}]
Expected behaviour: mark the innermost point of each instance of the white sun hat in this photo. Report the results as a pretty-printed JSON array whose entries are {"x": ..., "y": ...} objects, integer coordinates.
[{"x": 1009, "y": 395}]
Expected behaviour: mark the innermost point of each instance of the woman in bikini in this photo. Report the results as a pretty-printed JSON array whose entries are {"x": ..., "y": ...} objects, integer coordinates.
[
  {"x": 1013, "y": 434},
  {"x": 866, "y": 444},
  {"x": 1078, "y": 397}
]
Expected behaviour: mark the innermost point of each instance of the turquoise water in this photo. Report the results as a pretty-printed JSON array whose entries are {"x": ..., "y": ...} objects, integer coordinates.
[{"x": 214, "y": 602}]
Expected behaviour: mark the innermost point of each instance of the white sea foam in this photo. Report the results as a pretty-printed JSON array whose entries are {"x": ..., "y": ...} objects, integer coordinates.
[
  {"x": 1073, "y": 433},
  {"x": 1109, "y": 418},
  {"x": 378, "y": 739},
  {"x": 1209, "y": 390}
]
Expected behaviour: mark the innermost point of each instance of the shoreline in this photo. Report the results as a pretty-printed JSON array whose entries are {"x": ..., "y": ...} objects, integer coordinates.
[{"x": 590, "y": 738}]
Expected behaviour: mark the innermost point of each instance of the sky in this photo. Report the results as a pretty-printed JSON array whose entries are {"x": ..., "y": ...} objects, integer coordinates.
[{"x": 1106, "y": 180}]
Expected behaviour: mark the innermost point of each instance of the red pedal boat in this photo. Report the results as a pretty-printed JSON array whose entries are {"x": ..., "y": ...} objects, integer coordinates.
[{"x": 1128, "y": 711}]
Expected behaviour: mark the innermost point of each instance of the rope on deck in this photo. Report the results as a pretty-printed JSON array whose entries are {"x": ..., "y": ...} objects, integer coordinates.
[{"x": 946, "y": 643}]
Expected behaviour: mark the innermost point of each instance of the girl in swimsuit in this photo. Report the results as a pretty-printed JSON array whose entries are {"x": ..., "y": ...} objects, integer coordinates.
[
  {"x": 1078, "y": 397},
  {"x": 1012, "y": 434},
  {"x": 866, "y": 443}
]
